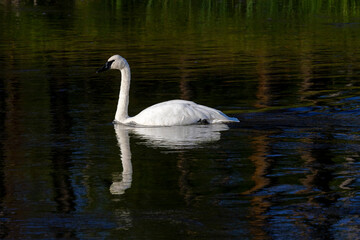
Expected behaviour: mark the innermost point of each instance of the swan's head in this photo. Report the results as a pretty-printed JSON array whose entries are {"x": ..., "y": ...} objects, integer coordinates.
[{"x": 114, "y": 62}]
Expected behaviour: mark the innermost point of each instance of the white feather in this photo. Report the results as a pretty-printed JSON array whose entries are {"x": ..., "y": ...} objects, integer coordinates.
[{"x": 169, "y": 113}]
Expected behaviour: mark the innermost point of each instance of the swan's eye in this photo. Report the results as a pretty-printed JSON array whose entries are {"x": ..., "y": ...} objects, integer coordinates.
[{"x": 107, "y": 66}]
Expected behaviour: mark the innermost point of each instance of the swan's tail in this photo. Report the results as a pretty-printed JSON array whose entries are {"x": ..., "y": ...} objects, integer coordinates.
[
  {"x": 226, "y": 120},
  {"x": 233, "y": 119}
]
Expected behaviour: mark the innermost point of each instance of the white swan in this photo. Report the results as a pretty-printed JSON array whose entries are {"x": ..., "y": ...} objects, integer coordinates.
[{"x": 169, "y": 113}]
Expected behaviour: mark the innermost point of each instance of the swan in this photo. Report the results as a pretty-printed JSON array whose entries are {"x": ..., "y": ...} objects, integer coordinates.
[{"x": 169, "y": 113}]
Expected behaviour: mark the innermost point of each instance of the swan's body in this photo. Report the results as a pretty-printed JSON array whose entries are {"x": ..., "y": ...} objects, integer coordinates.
[
  {"x": 169, "y": 113},
  {"x": 178, "y": 112}
]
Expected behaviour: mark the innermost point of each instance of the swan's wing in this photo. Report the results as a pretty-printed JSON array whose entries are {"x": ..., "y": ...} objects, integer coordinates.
[
  {"x": 213, "y": 115},
  {"x": 167, "y": 114},
  {"x": 178, "y": 112}
]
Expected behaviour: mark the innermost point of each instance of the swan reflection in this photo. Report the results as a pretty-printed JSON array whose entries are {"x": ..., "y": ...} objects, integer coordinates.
[
  {"x": 174, "y": 137},
  {"x": 121, "y": 182},
  {"x": 180, "y": 137}
]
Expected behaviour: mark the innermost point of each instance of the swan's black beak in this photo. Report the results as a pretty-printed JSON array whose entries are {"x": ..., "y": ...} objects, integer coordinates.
[{"x": 107, "y": 66}]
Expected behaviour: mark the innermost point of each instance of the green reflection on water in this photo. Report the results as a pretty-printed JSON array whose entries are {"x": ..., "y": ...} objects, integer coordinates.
[{"x": 257, "y": 53}]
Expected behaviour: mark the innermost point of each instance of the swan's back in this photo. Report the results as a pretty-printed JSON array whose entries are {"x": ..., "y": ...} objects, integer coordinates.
[{"x": 178, "y": 112}]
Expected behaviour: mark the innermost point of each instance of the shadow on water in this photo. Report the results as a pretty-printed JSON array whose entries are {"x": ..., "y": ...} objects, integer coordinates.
[{"x": 60, "y": 150}]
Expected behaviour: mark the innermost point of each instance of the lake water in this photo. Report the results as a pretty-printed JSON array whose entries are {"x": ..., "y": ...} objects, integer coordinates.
[{"x": 289, "y": 70}]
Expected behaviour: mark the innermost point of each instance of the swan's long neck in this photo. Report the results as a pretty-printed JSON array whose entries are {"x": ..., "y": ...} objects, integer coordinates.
[{"x": 122, "y": 108}]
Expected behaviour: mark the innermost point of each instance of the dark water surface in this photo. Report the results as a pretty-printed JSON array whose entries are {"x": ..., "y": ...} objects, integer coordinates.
[{"x": 289, "y": 70}]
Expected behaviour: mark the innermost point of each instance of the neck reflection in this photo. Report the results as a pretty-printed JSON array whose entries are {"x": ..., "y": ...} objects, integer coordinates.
[{"x": 122, "y": 181}]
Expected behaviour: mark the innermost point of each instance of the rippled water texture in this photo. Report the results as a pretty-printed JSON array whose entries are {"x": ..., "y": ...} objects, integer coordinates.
[{"x": 289, "y": 70}]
